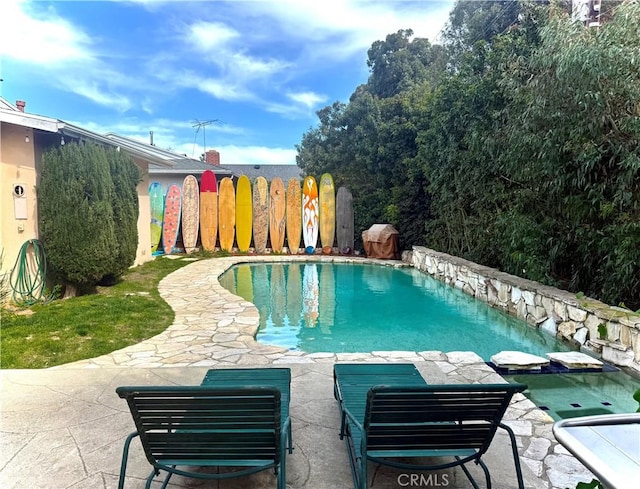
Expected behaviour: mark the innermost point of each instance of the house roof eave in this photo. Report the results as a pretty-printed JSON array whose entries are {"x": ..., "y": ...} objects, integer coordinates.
[
  {"x": 75, "y": 131},
  {"x": 32, "y": 121}
]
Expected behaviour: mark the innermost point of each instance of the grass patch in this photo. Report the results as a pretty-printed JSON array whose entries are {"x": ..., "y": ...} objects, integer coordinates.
[{"x": 88, "y": 326}]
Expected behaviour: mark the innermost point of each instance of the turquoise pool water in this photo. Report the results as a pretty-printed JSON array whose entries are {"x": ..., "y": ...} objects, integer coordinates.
[
  {"x": 570, "y": 395},
  {"x": 325, "y": 307}
]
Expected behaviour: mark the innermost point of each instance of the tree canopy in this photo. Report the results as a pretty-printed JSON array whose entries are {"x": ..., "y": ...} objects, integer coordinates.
[
  {"x": 88, "y": 211},
  {"x": 515, "y": 142}
]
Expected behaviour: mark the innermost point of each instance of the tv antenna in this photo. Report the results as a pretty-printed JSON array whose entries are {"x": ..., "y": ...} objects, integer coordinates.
[{"x": 198, "y": 124}]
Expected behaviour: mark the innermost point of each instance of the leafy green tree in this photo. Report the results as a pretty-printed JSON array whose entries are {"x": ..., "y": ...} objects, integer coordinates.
[
  {"x": 76, "y": 198},
  {"x": 125, "y": 176},
  {"x": 400, "y": 62},
  {"x": 575, "y": 139},
  {"x": 369, "y": 143}
]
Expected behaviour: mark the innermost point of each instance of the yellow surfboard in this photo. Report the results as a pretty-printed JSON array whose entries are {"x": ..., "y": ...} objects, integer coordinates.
[
  {"x": 226, "y": 213},
  {"x": 294, "y": 215},
  {"x": 277, "y": 221},
  {"x": 260, "y": 214},
  {"x": 244, "y": 221},
  {"x": 327, "y": 200}
]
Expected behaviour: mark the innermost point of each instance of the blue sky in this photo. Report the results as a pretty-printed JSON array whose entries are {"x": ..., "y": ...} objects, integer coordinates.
[{"x": 260, "y": 69}]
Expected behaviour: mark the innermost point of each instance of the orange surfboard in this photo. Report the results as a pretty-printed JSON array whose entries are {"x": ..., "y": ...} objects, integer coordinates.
[
  {"x": 294, "y": 215},
  {"x": 243, "y": 213},
  {"x": 208, "y": 210},
  {"x": 277, "y": 221},
  {"x": 226, "y": 214}
]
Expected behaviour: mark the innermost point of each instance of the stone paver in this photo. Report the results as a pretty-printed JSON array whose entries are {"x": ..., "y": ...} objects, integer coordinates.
[{"x": 214, "y": 328}]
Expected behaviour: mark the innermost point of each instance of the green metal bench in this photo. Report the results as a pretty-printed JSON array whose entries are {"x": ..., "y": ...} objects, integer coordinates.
[
  {"x": 184, "y": 429},
  {"x": 390, "y": 414}
]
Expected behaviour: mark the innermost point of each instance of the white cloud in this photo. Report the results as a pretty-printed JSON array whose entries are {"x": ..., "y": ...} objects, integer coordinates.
[
  {"x": 307, "y": 99},
  {"x": 239, "y": 155},
  {"x": 338, "y": 29},
  {"x": 223, "y": 89},
  {"x": 205, "y": 36},
  {"x": 231, "y": 71},
  {"x": 94, "y": 92},
  {"x": 62, "y": 52},
  {"x": 256, "y": 155},
  {"x": 44, "y": 39}
]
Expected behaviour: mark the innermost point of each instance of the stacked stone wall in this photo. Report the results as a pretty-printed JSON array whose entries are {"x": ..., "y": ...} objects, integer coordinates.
[{"x": 612, "y": 333}]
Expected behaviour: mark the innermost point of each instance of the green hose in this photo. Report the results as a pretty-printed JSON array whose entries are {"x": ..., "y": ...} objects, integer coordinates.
[{"x": 28, "y": 277}]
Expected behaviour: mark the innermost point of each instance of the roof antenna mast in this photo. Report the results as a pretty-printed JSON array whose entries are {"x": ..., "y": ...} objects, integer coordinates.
[{"x": 201, "y": 125}]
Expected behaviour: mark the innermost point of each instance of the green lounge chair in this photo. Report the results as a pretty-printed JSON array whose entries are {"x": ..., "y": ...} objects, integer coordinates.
[
  {"x": 389, "y": 414},
  {"x": 184, "y": 429}
]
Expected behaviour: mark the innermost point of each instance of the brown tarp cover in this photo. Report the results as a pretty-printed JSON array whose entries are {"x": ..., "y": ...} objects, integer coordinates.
[{"x": 381, "y": 241}]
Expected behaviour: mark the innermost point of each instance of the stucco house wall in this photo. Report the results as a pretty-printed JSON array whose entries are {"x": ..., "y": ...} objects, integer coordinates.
[
  {"x": 143, "y": 253},
  {"x": 17, "y": 166}
]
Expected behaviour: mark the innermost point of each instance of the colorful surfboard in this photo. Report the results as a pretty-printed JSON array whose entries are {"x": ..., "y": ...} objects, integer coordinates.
[
  {"x": 277, "y": 221},
  {"x": 190, "y": 213},
  {"x": 344, "y": 220},
  {"x": 156, "y": 204},
  {"x": 208, "y": 210},
  {"x": 260, "y": 214},
  {"x": 327, "y": 199},
  {"x": 171, "y": 222},
  {"x": 244, "y": 221},
  {"x": 310, "y": 213},
  {"x": 294, "y": 215},
  {"x": 226, "y": 213}
]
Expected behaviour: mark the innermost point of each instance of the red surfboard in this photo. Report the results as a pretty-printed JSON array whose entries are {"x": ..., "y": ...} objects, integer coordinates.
[{"x": 208, "y": 210}]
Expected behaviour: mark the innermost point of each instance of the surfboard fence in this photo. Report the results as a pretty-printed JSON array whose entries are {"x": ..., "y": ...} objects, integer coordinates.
[
  {"x": 611, "y": 333},
  {"x": 244, "y": 216}
]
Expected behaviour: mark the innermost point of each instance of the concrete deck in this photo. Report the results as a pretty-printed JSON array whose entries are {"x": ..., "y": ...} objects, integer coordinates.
[{"x": 64, "y": 427}]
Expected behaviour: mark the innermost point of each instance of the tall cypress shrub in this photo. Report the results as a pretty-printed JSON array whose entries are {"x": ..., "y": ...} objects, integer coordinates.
[
  {"x": 125, "y": 176},
  {"x": 75, "y": 206}
]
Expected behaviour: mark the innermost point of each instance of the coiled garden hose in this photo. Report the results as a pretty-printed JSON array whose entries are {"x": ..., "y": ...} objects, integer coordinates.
[{"x": 29, "y": 274}]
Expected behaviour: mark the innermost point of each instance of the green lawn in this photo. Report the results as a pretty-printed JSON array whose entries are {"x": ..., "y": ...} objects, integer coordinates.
[{"x": 73, "y": 329}]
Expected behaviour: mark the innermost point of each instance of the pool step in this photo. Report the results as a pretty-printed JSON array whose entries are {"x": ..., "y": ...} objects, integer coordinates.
[
  {"x": 515, "y": 362},
  {"x": 575, "y": 360}
]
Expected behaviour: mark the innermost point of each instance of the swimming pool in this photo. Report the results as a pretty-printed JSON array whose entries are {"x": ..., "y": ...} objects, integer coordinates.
[
  {"x": 333, "y": 307},
  {"x": 580, "y": 394}
]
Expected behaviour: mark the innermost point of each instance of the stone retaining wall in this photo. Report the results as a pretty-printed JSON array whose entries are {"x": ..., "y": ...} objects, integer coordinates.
[{"x": 561, "y": 313}]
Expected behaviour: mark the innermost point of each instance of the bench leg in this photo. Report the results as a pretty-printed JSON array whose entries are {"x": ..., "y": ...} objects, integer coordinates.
[
  {"x": 125, "y": 457},
  {"x": 516, "y": 457},
  {"x": 470, "y": 477}
]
